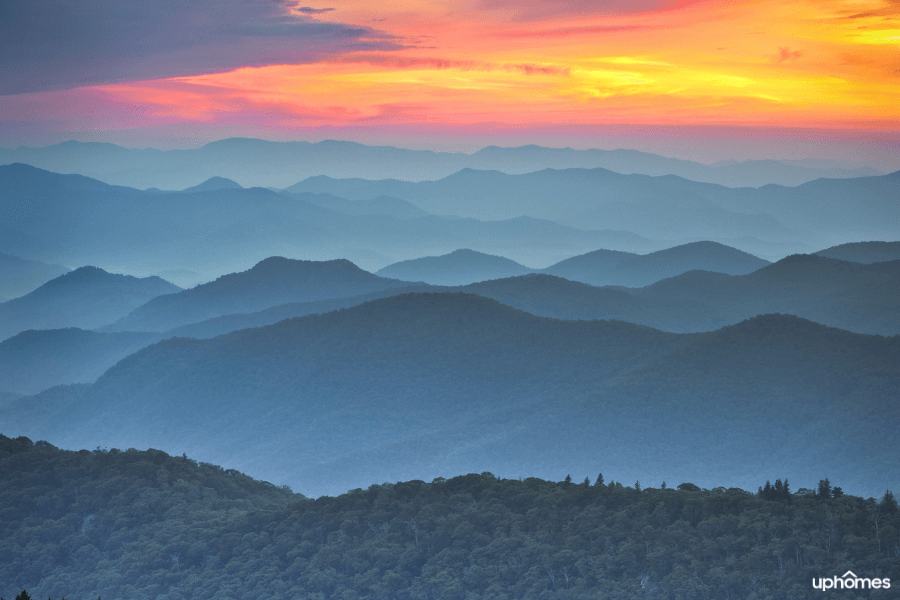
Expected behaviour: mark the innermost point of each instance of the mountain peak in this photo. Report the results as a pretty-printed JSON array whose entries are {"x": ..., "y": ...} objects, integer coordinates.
[
  {"x": 460, "y": 267},
  {"x": 275, "y": 263},
  {"x": 82, "y": 274},
  {"x": 215, "y": 183}
]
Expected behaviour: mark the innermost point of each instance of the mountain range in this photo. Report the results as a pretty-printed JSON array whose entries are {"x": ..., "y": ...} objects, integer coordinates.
[
  {"x": 654, "y": 207},
  {"x": 75, "y": 220},
  {"x": 420, "y": 385},
  {"x": 857, "y": 298},
  {"x": 69, "y": 219},
  {"x": 254, "y": 162},
  {"x": 597, "y": 268}
]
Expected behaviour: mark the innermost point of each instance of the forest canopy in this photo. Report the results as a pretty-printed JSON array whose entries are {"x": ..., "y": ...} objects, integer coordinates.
[{"x": 143, "y": 524}]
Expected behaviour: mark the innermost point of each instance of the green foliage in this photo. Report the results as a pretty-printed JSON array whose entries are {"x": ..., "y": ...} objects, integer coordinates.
[{"x": 139, "y": 525}]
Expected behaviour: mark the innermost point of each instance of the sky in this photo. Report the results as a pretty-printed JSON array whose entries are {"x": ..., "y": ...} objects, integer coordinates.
[{"x": 700, "y": 79}]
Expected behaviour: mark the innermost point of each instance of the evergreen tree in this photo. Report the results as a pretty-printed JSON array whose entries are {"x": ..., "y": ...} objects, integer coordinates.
[
  {"x": 599, "y": 479},
  {"x": 824, "y": 490}
]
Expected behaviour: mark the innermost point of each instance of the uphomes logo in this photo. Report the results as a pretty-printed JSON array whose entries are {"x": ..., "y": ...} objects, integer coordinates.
[{"x": 849, "y": 581}]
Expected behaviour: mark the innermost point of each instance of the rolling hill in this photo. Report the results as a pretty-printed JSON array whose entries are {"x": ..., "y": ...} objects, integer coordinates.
[
  {"x": 460, "y": 267},
  {"x": 87, "y": 297}
]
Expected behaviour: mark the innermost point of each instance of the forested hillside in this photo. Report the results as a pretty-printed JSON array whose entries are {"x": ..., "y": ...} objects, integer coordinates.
[
  {"x": 141, "y": 525},
  {"x": 421, "y": 385}
]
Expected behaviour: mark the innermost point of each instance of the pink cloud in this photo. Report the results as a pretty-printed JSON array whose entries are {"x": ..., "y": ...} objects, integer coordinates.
[{"x": 538, "y": 9}]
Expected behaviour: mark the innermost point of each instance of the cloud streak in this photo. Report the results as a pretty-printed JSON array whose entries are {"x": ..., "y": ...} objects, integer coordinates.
[
  {"x": 527, "y": 10},
  {"x": 60, "y": 44}
]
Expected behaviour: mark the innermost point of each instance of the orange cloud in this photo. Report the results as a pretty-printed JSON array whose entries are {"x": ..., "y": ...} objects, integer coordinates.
[{"x": 807, "y": 63}]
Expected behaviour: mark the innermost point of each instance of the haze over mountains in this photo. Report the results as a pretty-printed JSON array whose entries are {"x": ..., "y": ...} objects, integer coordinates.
[
  {"x": 253, "y": 162},
  {"x": 19, "y": 276},
  {"x": 70, "y": 219},
  {"x": 33, "y": 361},
  {"x": 518, "y": 321},
  {"x": 76, "y": 220},
  {"x": 653, "y": 207},
  {"x": 419, "y": 384}
]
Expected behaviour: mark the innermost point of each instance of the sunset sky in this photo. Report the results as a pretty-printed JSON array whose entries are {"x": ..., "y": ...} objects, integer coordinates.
[{"x": 700, "y": 79}]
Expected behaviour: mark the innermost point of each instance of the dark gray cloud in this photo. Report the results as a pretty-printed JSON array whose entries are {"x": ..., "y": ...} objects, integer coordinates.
[{"x": 59, "y": 44}]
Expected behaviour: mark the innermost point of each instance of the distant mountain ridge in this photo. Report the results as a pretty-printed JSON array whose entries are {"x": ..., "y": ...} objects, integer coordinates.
[
  {"x": 87, "y": 297},
  {"x": 598, "y": 268},
  {"x": 654, "y": 207},
  {"x": 75, "y": 220},
  {"x": 605, "y": 267},
  {"x": 255, "y": 162},
  {"x": 382, "y": 205}
]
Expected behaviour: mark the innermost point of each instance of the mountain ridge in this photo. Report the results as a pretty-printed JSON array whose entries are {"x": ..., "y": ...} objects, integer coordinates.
[
  {"x": 264, "y": 163},
  {"x": 86, "y": 297}
]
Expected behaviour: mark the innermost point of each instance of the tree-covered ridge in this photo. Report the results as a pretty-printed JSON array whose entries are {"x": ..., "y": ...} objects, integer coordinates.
[
  {"x": 425, "y": 385},
  {"x": 140, "y": 525}
]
